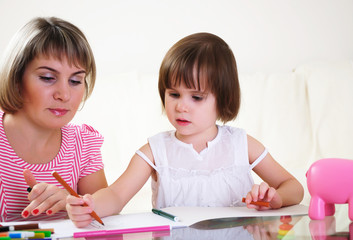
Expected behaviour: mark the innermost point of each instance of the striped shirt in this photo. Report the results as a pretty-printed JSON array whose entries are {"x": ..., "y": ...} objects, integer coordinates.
[{"x": 79, "y": 156}]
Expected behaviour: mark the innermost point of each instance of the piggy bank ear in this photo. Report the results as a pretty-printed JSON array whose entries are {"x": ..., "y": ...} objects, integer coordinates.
[{"x": 29, "y": 177}]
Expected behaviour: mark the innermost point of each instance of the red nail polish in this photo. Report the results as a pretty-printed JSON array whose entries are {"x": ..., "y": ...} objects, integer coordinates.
[
  {"x": 35, "y": 211},
  {"x": 49, "y": 212},
  {"x": 25, "y": 213}
]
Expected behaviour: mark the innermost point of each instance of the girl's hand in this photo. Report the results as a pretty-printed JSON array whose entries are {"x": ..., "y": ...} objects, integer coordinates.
[
  {"x": 79, "y": 214},
  {"x": 43, "y": 197},
  {"x": 263, "y": 192}
]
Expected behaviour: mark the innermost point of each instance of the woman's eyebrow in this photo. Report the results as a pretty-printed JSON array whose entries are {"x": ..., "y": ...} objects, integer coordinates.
[
  {"x": 48, "y": 68},
  {"x": 54, "y": 70},
  {"x": 79, "y": 72}
]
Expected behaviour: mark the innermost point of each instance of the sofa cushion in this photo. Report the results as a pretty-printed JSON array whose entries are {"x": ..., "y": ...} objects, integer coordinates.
[
  {"x": 330, "y": 95},
  {"x": 275, "y": 111}
]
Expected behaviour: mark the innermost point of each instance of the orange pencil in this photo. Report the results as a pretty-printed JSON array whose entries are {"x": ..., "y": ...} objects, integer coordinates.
[
  {"x": 73, "y": 193},
  {"x": 258, "y": 203}
]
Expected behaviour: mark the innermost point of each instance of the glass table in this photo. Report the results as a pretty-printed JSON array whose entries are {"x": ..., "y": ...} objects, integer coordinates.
[{"x": 336, "y": 227}]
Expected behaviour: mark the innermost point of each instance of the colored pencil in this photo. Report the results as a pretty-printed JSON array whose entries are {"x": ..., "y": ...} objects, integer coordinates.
[{"x": 73, "y": 193}]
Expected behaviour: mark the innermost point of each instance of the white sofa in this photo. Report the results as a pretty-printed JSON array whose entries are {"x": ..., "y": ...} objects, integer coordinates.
[{"x": 300, "y": 116}]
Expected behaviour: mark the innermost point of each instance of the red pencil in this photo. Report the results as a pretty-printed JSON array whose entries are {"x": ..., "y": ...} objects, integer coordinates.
[
  {"x": 73, "y": 193},
  {"x": 258, "y": 203}
]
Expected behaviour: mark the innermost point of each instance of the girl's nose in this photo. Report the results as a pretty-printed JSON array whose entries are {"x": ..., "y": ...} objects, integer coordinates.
[
  {"x": 62, "y": 92},
  {"x": 181, "y": 107}
]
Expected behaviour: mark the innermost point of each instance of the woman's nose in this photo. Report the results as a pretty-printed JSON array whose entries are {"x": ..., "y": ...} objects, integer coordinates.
[{"x": 62, "y": 92}]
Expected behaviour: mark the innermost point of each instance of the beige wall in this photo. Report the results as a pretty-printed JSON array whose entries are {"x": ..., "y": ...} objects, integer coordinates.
[{"x": 266, "y": 35}]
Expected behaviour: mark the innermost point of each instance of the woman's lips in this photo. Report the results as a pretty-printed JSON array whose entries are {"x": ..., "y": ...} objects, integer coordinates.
[{"x": 58, "y": 111}]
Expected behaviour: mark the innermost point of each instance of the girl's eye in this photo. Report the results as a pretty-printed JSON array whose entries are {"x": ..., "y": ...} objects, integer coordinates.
[
  {"x": 174, "y": 95},
  {"x": 197, "y": 98}
]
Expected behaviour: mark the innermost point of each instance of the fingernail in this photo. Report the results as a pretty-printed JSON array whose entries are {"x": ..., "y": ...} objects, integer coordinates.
[
  {"x": 29, "y": 189},
  {"x": 35, "y": 211},
  {"x": 25, "y": 213},
  {"x": 49, "y": 212}
]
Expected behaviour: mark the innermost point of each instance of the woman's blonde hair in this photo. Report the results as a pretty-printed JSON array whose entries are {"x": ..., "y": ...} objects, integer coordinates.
[{"x": 43, "y": 36}]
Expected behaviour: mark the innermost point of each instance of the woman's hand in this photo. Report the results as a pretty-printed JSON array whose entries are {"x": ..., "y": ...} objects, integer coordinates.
[
  {"x": 43, "y": 197},
  {"x": 263, "y": 192},
  {"x": 79, "y": 214}
]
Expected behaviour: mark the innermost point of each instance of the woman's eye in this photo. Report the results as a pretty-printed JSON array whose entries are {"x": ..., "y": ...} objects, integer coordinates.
[
  {"x": 45, "y": 78},
  {"x": 75, "y": 82}
]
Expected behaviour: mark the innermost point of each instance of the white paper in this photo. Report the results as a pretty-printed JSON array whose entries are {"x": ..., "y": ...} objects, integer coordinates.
[{"x": 191, "y": 215}]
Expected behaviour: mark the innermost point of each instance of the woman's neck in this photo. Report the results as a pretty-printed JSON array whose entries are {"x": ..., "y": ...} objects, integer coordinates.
[{"x": 33, "y": 144}]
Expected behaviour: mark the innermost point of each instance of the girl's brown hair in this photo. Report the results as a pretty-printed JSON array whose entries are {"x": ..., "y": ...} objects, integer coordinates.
[{"x": 213, "y": 61}]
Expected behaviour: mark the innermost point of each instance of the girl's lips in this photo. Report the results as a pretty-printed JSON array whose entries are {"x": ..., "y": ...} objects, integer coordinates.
[
  {"x": 183, "y": 122},
  {"x": 58, "y": 111}
]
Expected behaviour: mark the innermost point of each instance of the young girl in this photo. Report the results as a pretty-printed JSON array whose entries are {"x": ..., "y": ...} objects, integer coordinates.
[
  {"x": 200, "y": 163},
  {"x": 49, "y": 70}
]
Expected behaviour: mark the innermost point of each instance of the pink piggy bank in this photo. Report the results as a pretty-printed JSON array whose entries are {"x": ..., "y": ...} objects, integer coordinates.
[{"x": 330, "y": 181}]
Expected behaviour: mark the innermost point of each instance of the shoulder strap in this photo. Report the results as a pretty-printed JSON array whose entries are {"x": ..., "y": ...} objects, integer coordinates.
[
  {"x": 259, "y": 159},
  {"x": 144, "y": 157}
]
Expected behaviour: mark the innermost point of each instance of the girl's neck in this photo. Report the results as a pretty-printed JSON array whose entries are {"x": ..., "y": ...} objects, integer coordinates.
[
  {"x": 199, "y": 140},
  {"x": 33, "y": 144}
]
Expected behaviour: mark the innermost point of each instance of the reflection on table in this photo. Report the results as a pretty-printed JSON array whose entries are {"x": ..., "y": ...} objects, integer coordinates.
[{"x": 246, "y": 228}]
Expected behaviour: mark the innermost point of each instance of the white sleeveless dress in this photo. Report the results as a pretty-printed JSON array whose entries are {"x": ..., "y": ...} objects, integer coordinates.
[{"x": 218, "y": 176}]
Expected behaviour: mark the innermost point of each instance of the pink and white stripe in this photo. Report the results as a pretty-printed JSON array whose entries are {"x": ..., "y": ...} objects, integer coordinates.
[{"x": 79, "y": 156}]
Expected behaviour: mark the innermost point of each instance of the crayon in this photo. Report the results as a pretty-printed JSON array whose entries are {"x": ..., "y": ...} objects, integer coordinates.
[
  {"x": 22, "y": 234},
  {"x": 45, "y": 233},
  {"x": 258, "y": 203},
  {"x": 51, "y": 230}
]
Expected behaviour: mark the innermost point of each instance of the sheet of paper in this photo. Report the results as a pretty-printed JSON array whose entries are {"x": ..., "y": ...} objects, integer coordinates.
[
  {"x": 191, "y": 215},
  {"x": 187, "y": 215}
]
